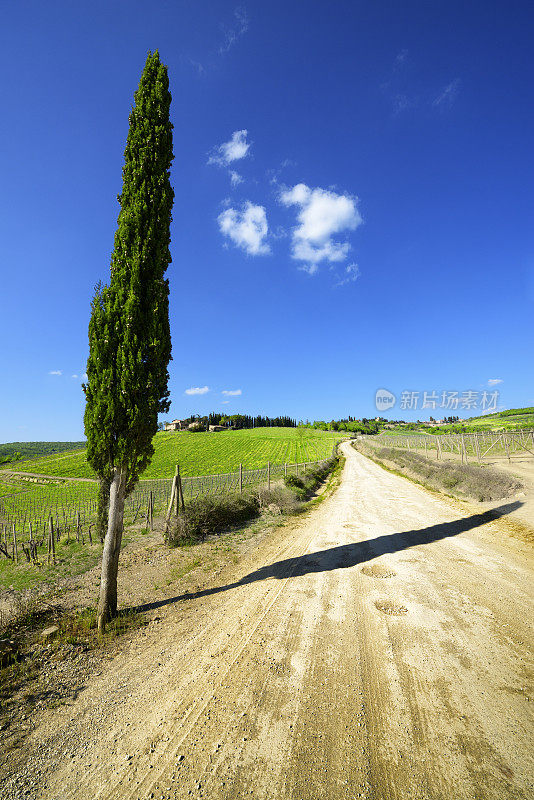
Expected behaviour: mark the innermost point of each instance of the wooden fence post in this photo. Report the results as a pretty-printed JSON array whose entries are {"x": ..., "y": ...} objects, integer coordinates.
[
  {"x": 51, "y": 541},
  {"x": 241, "y": 479},
  {"x": 268, "y": 474},
  {"x": 180, "y": 493},
  {"x": 15, "y": 548}
]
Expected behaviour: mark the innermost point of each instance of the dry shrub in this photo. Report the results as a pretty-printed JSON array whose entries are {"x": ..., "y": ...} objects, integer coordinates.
[
  {"x": 480, "y": 483},
  {"x": 207, "y": 515},
  {"x": 280, "y": 496}
]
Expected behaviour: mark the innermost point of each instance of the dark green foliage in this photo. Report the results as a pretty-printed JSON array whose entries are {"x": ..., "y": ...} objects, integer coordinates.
[
  {"x": 102, "y": 509},
  {"x": 241, "y": 421},
  {"x": 129, "y": 334}
]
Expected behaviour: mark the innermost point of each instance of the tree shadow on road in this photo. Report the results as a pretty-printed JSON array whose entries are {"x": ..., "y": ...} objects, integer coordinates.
[{"x": 349, "y": 555}]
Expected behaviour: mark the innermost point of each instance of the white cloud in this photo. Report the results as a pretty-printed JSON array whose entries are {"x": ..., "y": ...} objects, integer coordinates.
[
  {"x": 235, "y": 177},
  {"x": 322, "y": 214},
  {"x": 55, "y": 372},
  {"x": 233, "y": 150},
  {"x": 231, "y": 35},
  {"x": 74, "y": 376},
  {"x": 350, "y": 274},
  {"x": 197, "y": 390},
  {"x": 448, "y": 95},
  {"x": 494, "y": 381},
  {"x": 246, "y": 228},
  {"x": 401, "y": 57},
  {"x": 232, "y": 392}
]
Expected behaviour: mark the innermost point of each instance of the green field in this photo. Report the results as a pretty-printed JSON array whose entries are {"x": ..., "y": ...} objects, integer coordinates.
[
  {"x": 205, "y": 453},
  {"x": 505, "y": 420},
  {"x": 510, "y": 420}
]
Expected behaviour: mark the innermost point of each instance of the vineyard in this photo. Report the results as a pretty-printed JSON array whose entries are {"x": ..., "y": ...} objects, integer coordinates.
[
  {"x": 474, "y": 447},
  {"x": 204, "y": 453},
  {"x": 40, "y": 516}
]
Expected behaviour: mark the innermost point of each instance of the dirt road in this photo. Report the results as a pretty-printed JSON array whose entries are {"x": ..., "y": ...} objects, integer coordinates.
[{"x": 379, "y": 648}]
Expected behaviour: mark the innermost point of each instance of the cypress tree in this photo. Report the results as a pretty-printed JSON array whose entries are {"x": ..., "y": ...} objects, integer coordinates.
[{"x": 129, "y": 332}]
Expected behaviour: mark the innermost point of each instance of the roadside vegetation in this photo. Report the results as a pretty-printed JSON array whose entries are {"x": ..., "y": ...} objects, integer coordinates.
[
  {"x": 213, "y": 515},
  {"x": 465, "y": 480}
]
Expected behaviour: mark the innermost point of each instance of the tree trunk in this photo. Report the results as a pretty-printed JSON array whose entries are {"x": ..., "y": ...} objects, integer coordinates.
[{"x": 107, "y": 603}]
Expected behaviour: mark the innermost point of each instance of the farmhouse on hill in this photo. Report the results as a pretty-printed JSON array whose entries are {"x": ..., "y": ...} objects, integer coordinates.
[{"x": 176, "y": 425}]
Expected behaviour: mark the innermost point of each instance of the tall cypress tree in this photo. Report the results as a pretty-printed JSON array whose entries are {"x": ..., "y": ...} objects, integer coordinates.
[{"x": 129, "y": 332}]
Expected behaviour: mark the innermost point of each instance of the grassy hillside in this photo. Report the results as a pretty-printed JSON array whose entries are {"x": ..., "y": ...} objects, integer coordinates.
[
  {"x": 13, "y": 452},
  {"x": 205, "y": 453},
  {"x": 507, "y": 420},
  {"x": 511, "y": 419}
]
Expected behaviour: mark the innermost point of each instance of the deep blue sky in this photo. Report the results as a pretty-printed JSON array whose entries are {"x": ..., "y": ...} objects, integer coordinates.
[{"x": 423, "y": 111}]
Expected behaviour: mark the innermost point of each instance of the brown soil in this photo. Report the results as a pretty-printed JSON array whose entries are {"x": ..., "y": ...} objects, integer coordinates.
[{"x": 292, "y": 674}]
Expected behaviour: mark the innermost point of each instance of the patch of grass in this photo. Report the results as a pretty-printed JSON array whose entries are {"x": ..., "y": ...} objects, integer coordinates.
[
  {"x": 72, "y": 558},
  {"x": 177, "y": 573}
]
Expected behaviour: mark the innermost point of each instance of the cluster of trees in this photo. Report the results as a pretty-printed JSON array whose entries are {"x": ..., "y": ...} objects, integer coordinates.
[
  {"x": 238, "y": 421},
  {"x": 364, "y": 425}
]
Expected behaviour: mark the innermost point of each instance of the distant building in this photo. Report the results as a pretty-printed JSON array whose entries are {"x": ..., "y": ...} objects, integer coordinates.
[
  {"x": 217, "y": 428},
  {"x": 176, "y": 425}
]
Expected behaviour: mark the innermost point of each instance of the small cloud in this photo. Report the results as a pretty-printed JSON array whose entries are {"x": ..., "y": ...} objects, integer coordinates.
[
  {"x": 401, "y": 57},
  {"x": 200, "y": 68},
  {"x": 247, "y": 228},
  {"x": 232, "y": 392},
  {"x": 322, "y": 214},
  {"x": 238, "y": 29},
  {"x": 350, "y": 274},
  {"x": 401, "y": 102},
  {"x": 74, "y": 376},
  {"x": 233, "y": 150},
  {"x": 274, "y": 174},
  {"x": 447, "y": 97},
  {"x": 55, "y": 372},
  {"x": 494, "y": 381},
  {"x": 235, "y": 178},
  {"x": 197, "y": 390}
]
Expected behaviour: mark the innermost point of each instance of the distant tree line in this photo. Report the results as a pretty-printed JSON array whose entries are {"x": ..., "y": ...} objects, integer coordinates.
[
  {"x": 350, "y": 424},
  {"x": 238, "y": 421}
]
